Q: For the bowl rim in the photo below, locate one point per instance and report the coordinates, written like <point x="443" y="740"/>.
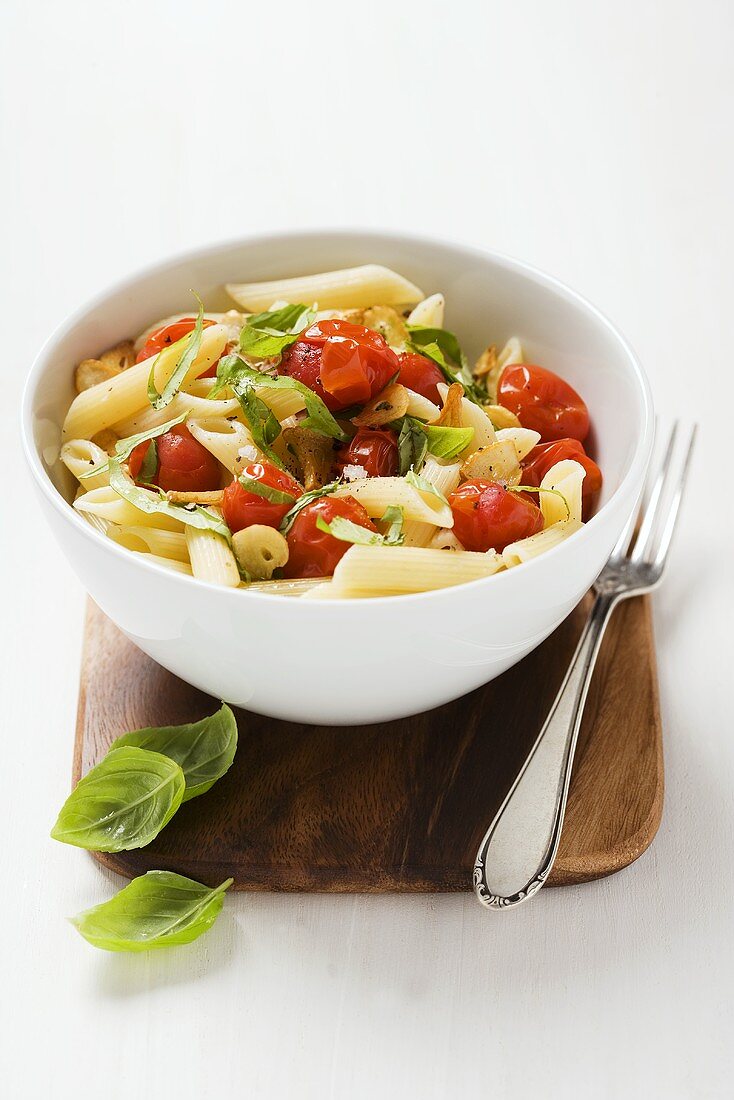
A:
<point x="633" y="477"/>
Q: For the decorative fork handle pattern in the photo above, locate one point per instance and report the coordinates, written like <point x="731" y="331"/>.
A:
<point x="518" y="850"/>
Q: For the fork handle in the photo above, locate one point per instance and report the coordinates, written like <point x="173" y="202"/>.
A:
<point x="519" y="848"/>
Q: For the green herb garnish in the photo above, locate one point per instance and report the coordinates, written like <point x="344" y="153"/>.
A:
<point x="424" y="486"/>
<point x="267" y="492"/>
<point x="394" y="516"/>
<point x="146" y="501"/>
<point x="267" y="335"/>
<point x="412" y="445"/>
<point x="203" y="750"/>
<point x="122" y="803"/>
<point x="125" y="447"/>
<point x="318" y="418"/>
<point x="158" y="909"/>
<point x="263" y="423"/>
<point x="347" y="531"/>
<point x="444" y="349"/>
<point x="303" y="501"/>
<point x="538" y="489"/>
<point x="189" y="345"/>
<point x="447" y="443"/>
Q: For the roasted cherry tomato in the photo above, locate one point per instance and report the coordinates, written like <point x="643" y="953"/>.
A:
<point x="375" y="450"/>
<point x="543" y="402"/>
<point x="242" y="508"/>
<point x="539" y="461"/>
<point x="169" y="334"/>
<point x="184" y="465"/>
<point x="488" y="516"/>
<point x="355" y="362"/>
<point x="302" y="361"/>
<point x="315" y="553"/>
<point x="421" y="375"/>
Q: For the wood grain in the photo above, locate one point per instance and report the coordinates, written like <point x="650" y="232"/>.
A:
<point x="400" y="806"/>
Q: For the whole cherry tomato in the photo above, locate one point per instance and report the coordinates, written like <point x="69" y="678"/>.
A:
<point x="355" y="362"/>
<point x="169" y="334"/>
<point x="543" y="402"/>
<point x="315" y="553"/>
<point x="242" y="508"/>
<point x="421" y="375"/>
<point x="375" y="450"/>
<point x="183" y="464"/>
<point x="538" y="462"/>
<point x="302" y="361"/>
<point x="488" y="516"/>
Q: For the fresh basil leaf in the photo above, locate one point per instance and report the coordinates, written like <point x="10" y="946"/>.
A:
<point x="346" y="531"/>
<point x="267" y="492"/>
<point x="195" y="516"/>
<point x="122" y="803"/>
<point x="447" y="442"/>
<point x="444" y="349"/>
<point x="262" y="421"/>
<point x="125" y="447"/>
<point x="158" y="909"/>
<point x="412" y="445"/>
<point x="318" y="418"/>
<point x="267" y="335"/>
<point x="307" y="498"/>
<point x="423" y="485"/>
<point x="190" y="345"/>
<point x="537" y="489"/>
<point x="203" y="750"/>
<point x="149" y="465"/>
<point x="394" y="516"/>
<point x="226" y="372"/>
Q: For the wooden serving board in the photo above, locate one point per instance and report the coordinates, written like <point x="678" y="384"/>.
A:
<point x="399" y="806"/>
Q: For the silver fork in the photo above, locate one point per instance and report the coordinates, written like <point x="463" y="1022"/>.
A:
<point x="518" y="849"/>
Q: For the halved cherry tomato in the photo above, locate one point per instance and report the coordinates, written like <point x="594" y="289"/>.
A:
<point x="538" y="462"/>
<point x="420" y="375"/>
<point x="487" y="516"/>
<point x="183" y="464"/>
<point x="543" y="402"/>
<point x="375" y="450"/>
<point x="242" y="508"/>
<point x="355" y="362"/>
<point x="315" y="553"/>
<point x="168" y="334"/>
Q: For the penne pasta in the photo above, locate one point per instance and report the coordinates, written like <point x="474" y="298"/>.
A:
<point x="107" y="505"/>
<point x="377" y="494"/>
<point x="228" y="440"/>
<point x="145" y="419"/>
<point x="80" y="456"/>
<point x="429" y="312"/>
<point x="394" y="571"/>
<point x="211" y="558"/>
<point x="232" y="320"/>
<point x="566" y="478"/>
<point x="525" y="549"/>
<point x="523" y="438"/>
<point x="151" y="540"/>
<point x="420" y="407"/>
<point x="444" y="477"/>
<point x="109" y="402"/>
<point x="300" y="587"/>
<point x="352" y="288"/>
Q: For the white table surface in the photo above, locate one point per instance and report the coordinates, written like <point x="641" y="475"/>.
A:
<point x="593" y="140"/>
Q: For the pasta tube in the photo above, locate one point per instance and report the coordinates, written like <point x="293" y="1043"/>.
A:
<point x="445" y="478"/>
<point x="211" y="558"/>
<point x="376" y="494"/>
<point x="351" y="288"/>
<point x="109" y="402"/>
<point x="108" y="505"/>
<point x="472" y="416"/>
<point x="525" y="549"/>
<point x="395" y="571"/>
<point x="226" y="439"/>
<point x="429" y="312"/>
<point x="80" y="456"/>
<point x="566" y="478"/>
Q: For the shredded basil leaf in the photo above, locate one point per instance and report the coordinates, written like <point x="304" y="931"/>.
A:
<point x="149" y="465"/>
<point x="442" y="346"/>
<point x="412" y="445"/>
<point x="346" y="531"/>
<point x="318" y="418"/>
<point x="423" y="485"/>
<point x="447" y="442"/>
<point x="157" y="909"/>
<point x="538" y="489"/>
<point x="267" y="335"/>
<point x="203" y="750"/>
<point x="197" y="516"/>
<point x="262" y="421"/>
<point x="190" y="345"/>
<point x="307" y="498"/>
<point x="125" y="447"/>
<point x="394" y="516"/>
<point x="260" y="489"/>
<point x="122" y="803"/>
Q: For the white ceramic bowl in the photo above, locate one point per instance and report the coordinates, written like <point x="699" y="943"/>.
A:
<point x="358" y="661"/>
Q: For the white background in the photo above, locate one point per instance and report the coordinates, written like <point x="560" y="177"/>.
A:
<point x="591" y="139"/>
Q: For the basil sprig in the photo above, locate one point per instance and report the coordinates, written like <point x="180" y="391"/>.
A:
<point x="306" y="499"/>
<point x="442" y="346"/>
<point x="417" y="439"/>
<point x="267" y="492"/>
<point x="347" y="531"/>
<point x="158" y="909"/>
<point x="143" y="499"/>
<point x="318" y="418"/>
<point x="203" y="750"/>
<point x="125" y="447"/>
<point x="122" y="803"/>
<point x="189" y="346"/>
<point x="448" y="443"/>
<point x="263" y="423"/>
<point x="267" y="335"/>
